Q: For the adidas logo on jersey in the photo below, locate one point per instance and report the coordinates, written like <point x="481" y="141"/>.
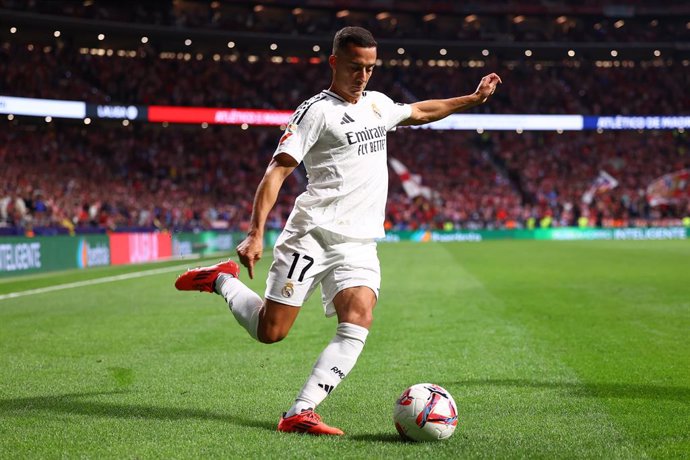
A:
<point x="346" y="119"/>
<point x="326" y="388"/>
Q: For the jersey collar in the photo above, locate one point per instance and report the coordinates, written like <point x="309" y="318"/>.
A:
<point x="335" y="96"/>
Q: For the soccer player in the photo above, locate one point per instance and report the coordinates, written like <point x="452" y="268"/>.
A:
<point x="330" y="236"/>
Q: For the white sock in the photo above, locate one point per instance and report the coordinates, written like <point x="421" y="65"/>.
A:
<point x="244" y="303"/>
<point x="333" y="365"/>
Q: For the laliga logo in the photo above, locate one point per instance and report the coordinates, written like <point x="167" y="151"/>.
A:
<point x="117" y="111"/>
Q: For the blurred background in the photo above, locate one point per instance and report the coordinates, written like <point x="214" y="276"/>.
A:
<point x="116" y="166"/>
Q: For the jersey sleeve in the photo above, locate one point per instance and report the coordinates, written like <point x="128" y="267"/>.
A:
<point x="302" y="132"/>
<point x="395" y="112"/>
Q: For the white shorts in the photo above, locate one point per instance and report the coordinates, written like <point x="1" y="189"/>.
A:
<point x="301" y="261"/>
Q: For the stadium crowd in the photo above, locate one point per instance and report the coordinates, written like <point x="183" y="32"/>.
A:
<point x="572" y="86"/>
<point x="64" y="177"/>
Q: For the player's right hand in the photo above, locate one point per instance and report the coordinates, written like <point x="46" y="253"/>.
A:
<point x="487" y="86"/>
<point x="250" y="251"/>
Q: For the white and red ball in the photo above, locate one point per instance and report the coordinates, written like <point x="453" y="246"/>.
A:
<point x="425" y="412"/>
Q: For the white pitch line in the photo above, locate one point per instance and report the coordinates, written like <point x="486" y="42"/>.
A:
<point x="107" y="279"/>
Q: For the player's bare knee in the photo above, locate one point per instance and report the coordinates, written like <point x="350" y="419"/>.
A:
<point x="271" y="335"/>
<point x="362" y="318"/>
<point x="365" y="319"/>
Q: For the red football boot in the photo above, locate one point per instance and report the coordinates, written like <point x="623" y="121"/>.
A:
<point x="203" y="278"/>
<point x="308" y="422"/>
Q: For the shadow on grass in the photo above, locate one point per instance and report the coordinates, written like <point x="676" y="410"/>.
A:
<point x="78" y="403"/>
<point x="591" y="390"/>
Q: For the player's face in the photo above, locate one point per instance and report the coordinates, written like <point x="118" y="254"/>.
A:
<point x="352" y="68"/>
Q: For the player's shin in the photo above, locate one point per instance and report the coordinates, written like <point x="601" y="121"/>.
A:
<point x="333" y="365"/>
<point x="244" y="303"/>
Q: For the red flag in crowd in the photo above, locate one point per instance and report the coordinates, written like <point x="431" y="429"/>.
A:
<point x="602" y="183"/>
<point x="412" y="183"/>
<point x="669" y="188"/>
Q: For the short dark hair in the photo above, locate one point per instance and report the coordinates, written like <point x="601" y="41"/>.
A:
<point x="358" y="36"/>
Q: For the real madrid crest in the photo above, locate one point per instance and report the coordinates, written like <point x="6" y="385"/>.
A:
<point x="288" y="289"/>
<point x="376" y="110"/>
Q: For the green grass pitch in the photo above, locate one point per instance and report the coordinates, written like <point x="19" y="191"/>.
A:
<point x="551" y="350"/>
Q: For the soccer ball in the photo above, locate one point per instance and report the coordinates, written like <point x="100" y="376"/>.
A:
<point x="425" y="412"/>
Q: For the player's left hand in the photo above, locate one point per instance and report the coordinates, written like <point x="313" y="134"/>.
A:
<point x="487" y="86"/>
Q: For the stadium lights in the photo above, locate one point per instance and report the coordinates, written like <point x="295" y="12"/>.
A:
<point x="480" y="131"/>
<point x="56" y="34"/>
<point x="231" y="44"/>
<point x="614" y="53"/>
<point x="342" y="14"/>
<point x="485" y="52"/>
<point x="10" y="117"/>
<point x="561" y="20"/>
<point x="30" y="47"/>
<point x="13" y="30"/>
<point x="528" y="53"/>
<point x="518" y="19"/>
<point x="244" y="126"/>
<point x="442" y="52"/>
<point x="87" y="121"/>
<point x="618" y="24"/>
<point x="428" y="17"/>
<point x="215" y="4"/>
<point x="144" y="40"/>
<point x="316" y="48"/>
<point x="401" y="50"/>
<point x="125" y="122"/>
<point x="571" y="53"/>
<point x="204" y="125"/>
<point x="188" y="42"/>
<point x="49" y="119"/>
<point x="657" y="53"/>
<point x="383" y="15"/>
<point x="297" y="11"/>
<point x="471" y="18"/>
<point x="654" y="23"/>
<point x="101" y="37"/>
<point x="273" y="46"/>
<point x="258" y="8"/>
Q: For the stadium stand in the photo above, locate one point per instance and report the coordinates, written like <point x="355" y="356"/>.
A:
<point x="575" y="86"/>
<point x="64" y="176"/>
<point x="502" y="20"/>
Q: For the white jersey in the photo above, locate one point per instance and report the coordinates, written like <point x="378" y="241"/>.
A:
<point x="343" y="147"/>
